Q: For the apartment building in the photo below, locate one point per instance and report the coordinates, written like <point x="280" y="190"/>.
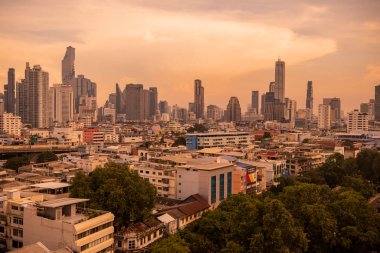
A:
<point x="218" y="139"/>
<point x="357" y="121"/>
<point x="12" y="224"/>
<point x="10" y="124"/>
<point x="164" y="178"/>
<point x="62" y="223"/>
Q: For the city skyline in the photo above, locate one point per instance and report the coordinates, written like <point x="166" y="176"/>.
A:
<point x="350" y="60"/>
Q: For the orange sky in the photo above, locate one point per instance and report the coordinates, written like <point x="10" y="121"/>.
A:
<point x="230" y="45"/>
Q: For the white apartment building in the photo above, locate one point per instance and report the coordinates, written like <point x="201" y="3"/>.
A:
<point x="12" y="218"/>
<point x="211" y="178"/>
<point x="62" y="223"/>
<point x="357" y="121"/>
<point x="218" y="139"/>
<point x="324" y="117"/>
<point x="90" y="163"/>
<point x="68" y="136"/>
<point x="164" y="178"/>
<point x="10" y="124"/>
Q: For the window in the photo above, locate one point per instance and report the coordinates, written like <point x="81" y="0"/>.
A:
<point x="146" y="172"/>
<point x="2" y="229"/>
<point x="14" y="208"/>
<point x="213" y="189"/>
<point x="16" y="244"/>
<point x="229" y="183"/>
<point x="131" y="244"/>
<point x="221" y="186"/>
<point x="93" y="230"/>
<point x="17" y="220"/>
<point x="119" y="243"/>
<point x="18" y="232"/>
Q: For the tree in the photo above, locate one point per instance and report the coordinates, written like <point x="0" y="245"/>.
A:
<point x="267" y="135"/>
<point x="180" y="141"/>
<point x="117" y="189"/>
<point x="16" y="162"/>
<point x="46" y="156"/>
<point x="200" y="128"/>
<point x="171" y="244"/>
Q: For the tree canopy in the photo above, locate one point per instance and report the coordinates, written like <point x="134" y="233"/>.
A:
<point x="117" y="189"/>
<point x="16" y="162"/>
<point x="304" y="214"/>
<point x="200" y="128"/>
<point x="46" y="156"/>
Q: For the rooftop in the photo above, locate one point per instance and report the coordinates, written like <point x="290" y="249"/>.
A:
<point x="61" y="202"/>
<point x="51" y="185"/>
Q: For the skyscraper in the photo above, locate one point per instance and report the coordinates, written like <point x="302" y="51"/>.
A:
<point x="68" y="70"/>
<point x="164" y="107"/>
<point x="9" y="92"/>
<point x="272" y="86"/>
<point x="377" y="102"/>
<point x="199" y="99"/>
<point x="120" y="102"/>
<point x="324" y="117"/>
<point x="33" y="97"/>
<point x="82" y="87"/>
<point x="146" y="108"/>
<point x="214" y="112"/>
<point x="279" y="89"/>
<point x="61" y="103"/>
<point x="309" y="97"/>
<point x="255" y="101"/>
<point x="273" y="108"/>
<point x="233" y="112"/>
<point x="134" y="101"/>
<point x="335" y="109"/>
<point x="153" y="101"/>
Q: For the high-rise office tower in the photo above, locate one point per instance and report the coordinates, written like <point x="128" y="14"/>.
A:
<point x="120" y="101"/>
<point x="279" y="89"/>
<point x="199" y="99"/>
<point x="134" y="100"/>
<point x="33" y="97"/>
<point x="291" y="110"/>
<point x="273" y="108"/>
<point x="153" y="101"/>
<point x="309" y="97"/>
<point x="9" y="92"/>
<point x="82" y="87"/>
<point x="68" y="70"/>
<point x="272" y="86"/>
<point x="61" y="103"/>
<point x="255" y="101"/>
<point x="377" y="102"/>
<point x="324" y="117"/>
<point x="164" y="107"/>
<point x="146" y="108"/>
<point x="262" y="109"/>
<point x="214" y="112"/>
<point x="335" y="109"/>
<point x="233" y="112"/>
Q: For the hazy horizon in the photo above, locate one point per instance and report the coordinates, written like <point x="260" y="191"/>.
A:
<point x="231" y="46"/>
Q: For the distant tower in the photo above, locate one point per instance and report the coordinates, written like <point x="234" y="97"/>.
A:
<point x="377" y="103"/>
<point x="309" y="97"/>
<point x="9" y="92"/>
<point x="279" y="91"/>
<point x="199" y="102"/>
<point x="233" y="112"/>
<point x="61" y="103"/>
<point x="324" y="117"/>
<point x="134" y="99"/>
<point x="33" y="97"/>
<point x="68" y="70"/>
<point x="255" y="101"/>
<point x="153" y="101"/>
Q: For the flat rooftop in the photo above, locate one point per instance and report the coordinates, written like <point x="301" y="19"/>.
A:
<point x="209" y="134"/>
<point x="51" y="185"/>
<point x="61" y="202"/>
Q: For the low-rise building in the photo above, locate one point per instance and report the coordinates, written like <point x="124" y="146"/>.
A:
<point x="218" y="139"/>
<point x="61" y="222"/>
